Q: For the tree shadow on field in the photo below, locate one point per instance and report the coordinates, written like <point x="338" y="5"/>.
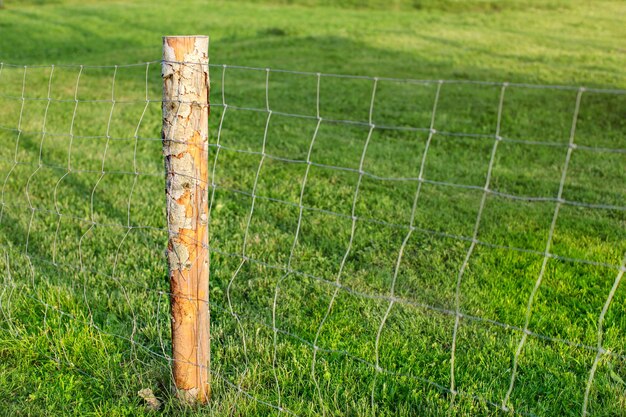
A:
<point x="102" y="36"/>
<point x="42" y="234"/>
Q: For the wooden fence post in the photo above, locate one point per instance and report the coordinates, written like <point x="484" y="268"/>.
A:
<point x="185" y="74"/>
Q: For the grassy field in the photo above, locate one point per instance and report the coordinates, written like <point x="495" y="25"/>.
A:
<point x="83" y="297"/>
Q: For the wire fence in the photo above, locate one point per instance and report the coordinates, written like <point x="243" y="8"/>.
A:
<point x="377" y="245"/>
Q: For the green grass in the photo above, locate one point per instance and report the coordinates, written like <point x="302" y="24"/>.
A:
<point x="85" y="321"/>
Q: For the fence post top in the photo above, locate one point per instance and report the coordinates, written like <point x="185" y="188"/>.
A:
<point x="184" y="50"/>
<point x="185" y="36"/>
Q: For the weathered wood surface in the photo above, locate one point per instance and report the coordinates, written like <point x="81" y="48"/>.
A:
<point x="185" y="146"/>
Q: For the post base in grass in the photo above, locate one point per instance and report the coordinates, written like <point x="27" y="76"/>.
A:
<point x="192" y="396"/>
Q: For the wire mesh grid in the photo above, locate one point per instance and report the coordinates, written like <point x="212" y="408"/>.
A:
<point x="377" y="245"/>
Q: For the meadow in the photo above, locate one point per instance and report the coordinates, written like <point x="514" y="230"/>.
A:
<point x="427" y="168"/>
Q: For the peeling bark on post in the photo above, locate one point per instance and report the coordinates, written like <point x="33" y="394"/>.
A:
<point x="185" y="73"/>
